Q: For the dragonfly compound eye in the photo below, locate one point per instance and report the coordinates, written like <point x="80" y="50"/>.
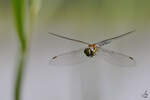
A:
<point x="88" y="52"/>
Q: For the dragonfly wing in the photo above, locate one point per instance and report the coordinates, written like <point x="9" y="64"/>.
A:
<point x="107" y="41"/>
<point x="69" y="58"/>
<point x="116" y="58"/>
<point x="75" y="40"/>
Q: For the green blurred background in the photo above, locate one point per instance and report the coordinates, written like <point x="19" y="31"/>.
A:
<point x="107" y="14"/>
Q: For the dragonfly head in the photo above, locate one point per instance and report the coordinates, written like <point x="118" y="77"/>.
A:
<point x="89" y="52"/>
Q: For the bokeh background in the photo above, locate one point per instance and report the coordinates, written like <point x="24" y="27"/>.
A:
<point x="87" y="20"/>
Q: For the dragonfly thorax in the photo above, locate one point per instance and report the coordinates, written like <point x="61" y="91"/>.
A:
<point x="89" y="52"/>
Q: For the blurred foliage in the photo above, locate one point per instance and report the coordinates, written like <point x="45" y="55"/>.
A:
<point x="108" y="10"/>
<point x="19" y="13"/>
<point x="20" y="8"/>
<point x="100" y="9"/>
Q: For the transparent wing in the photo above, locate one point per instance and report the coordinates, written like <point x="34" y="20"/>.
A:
<point x="107" y="41"/>
<point x="69" y="58"/>
<point x="75" y="40"/>
<point x="116" y="58"/>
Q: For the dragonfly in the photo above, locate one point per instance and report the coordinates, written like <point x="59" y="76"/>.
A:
<point x="92" y="51"/>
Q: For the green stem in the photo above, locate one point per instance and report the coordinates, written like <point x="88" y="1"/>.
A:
<point x="20" y="73"/>
<point x="19" y="15"/>
<point x="19" y="7"/>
